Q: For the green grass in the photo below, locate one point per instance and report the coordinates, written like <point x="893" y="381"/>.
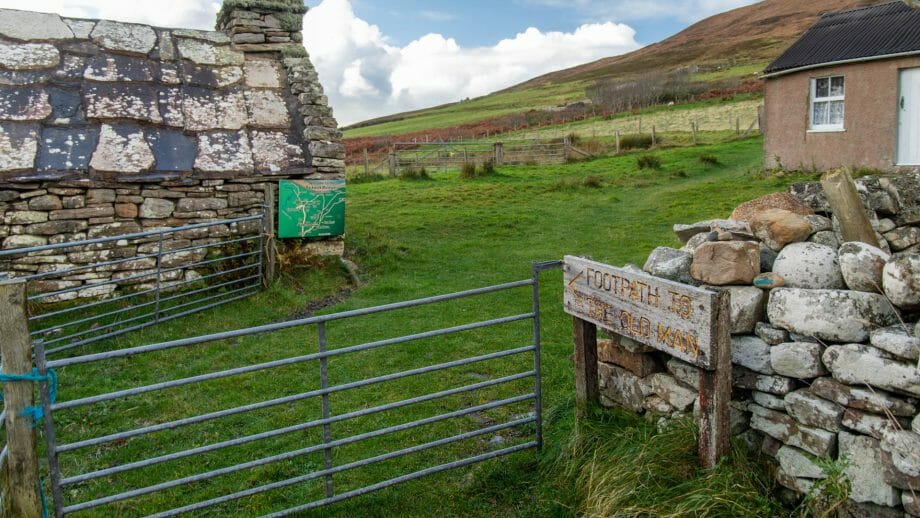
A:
<point x="474" y="110"/>
<point x="415" y="239"/>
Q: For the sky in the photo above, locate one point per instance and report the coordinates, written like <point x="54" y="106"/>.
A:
<point x="378" y="57"/>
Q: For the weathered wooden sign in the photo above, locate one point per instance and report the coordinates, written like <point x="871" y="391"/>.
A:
<point x="689" y="323"/>
<point x="669" y="316"/>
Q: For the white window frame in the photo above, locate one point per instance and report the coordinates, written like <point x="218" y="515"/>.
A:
<point x="814" y="100"/>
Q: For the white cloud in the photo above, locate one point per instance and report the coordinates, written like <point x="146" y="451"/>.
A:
<point x="631" y="10"/>
<point x="192" y="14"/>
<point x="366" y="76"/>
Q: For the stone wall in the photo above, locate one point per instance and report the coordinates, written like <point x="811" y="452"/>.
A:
<point x="825" y="341"/>
<point x="109" y="128"/>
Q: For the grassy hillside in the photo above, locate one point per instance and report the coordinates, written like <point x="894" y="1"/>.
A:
<point x="735" y="45"/>
<point x="422" y="238"/>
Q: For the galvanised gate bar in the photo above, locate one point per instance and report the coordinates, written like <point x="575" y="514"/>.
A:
<point x="326" y="422"/>
<point x="176" y="272"/>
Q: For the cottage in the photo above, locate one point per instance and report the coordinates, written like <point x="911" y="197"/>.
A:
<point x="847" y="93"/>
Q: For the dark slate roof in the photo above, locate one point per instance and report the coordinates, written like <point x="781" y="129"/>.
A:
<point x="876" y="31"/>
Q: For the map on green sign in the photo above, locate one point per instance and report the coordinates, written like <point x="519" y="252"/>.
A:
<point x="311" y="208"/>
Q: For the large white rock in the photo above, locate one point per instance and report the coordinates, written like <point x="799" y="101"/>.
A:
<point x="857" y="364"/>
<point x="28" y="25"/>
<point x="811" y="410"/>
<point x="747" y="308"/>
<point x="669" y="389"/>
<point x="671" y="264"/>
<point x="862" y="266"/>
<point x="797" y="463"/>
<point x="122" y="150"/>
<point x="874" y="400"/>
<point x="897" y="341"/>
<point x="124" y="37"/>
<point x="873" y="425"/>
<point x="29" y="56"/>
<point x="866" y="472"/>
<point x="18" y="147"/>
<point x="751" y="352"/>
<point x="798" y="360"/>
<point x="620" y="388"/>
<point x="205" y="53"/>
<point x="786" y="430"/>
<point x="809" y="265"/>
<point x="833" y="315"/>
<point x="901" y="281"/>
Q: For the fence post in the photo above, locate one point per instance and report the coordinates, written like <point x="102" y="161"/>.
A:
<point x="737" y="126"/>
<point x="586" y="386"/>
<point x="694" y="128"/>
<point x="716" y="392"/>
<point x="392" y="162"/>
<point x="618" y="141"/>
<point x="654" y="136"/>
<point x="16" y="348"/>
<point x="567" y="145"/>
<point x="268" y="234"/>
<point x="498" y="152"/>
<point x="760" y="119"/>
<point x="366" y="163"/>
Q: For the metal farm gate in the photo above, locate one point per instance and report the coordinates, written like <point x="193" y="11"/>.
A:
<point x="306" y="436"/>
<point x="81" y="292"/>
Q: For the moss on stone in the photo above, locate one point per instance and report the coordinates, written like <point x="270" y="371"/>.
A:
<point x="291" y="8"/>
<point x="294" y="51"/>
<point x="290" y="21"/>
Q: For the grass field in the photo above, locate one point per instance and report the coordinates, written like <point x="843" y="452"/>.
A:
<point x="415" y="239"/>
<point x="711" y="116"/>
<point x="481" y="108"/>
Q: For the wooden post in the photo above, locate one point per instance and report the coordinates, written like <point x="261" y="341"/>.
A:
<point x="737" y="126"/>
<point x="498" y="150"/>
<point x="366" y="163"/>
<point x="16" y="348"/>
<point x="760" y="119"/>
<point x="392" y="163"/>
<point x="716" y="391"/>
<point x="587" y="391"/>
<point x="693" y="129"/>
<point x="845" y="203"/>
<point x="654" y="136"/>
<point x="618" y="141"/>
<point x="567" y="145"/>
<point x="268" y="237"/>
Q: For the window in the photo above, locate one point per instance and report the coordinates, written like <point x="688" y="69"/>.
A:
<point x="827" y="103"/>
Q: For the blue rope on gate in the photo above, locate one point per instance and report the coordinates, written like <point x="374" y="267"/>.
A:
<point x="35" y="412"/>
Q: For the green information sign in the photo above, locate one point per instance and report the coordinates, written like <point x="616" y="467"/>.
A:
<point x="311" y="208"/>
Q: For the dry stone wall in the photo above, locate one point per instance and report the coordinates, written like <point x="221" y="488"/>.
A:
<point x="825" y="343"/>
<point x="109" y="128"/>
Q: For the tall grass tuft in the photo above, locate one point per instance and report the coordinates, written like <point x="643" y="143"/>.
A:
<point x="635" y="141"/>
<point x="623" y="465"/>
<point x="412" y="174"/>
<point x="648" y="162"/>
<point x="469" y="170"/>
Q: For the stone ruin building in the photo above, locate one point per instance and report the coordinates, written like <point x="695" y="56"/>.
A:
<point x="111" y="128"/>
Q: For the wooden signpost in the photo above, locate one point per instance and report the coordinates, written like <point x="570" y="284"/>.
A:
<point x="689" y="323"/>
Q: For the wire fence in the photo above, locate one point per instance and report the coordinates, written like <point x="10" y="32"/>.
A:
<point x="453" y="155"/>
<point x="81" y="292"/>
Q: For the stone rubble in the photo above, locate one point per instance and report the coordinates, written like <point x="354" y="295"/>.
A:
<point x="825" y="359"/>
